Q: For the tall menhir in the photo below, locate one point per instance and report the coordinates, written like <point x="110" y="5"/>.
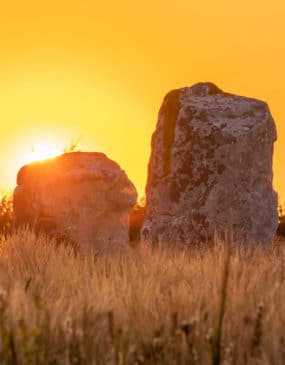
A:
<point x="210" y="165"/>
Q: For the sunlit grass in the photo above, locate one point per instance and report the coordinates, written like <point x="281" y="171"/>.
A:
<point x="139" y="306"/>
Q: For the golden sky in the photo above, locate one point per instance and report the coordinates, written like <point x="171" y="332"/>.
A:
<point x="99" y="70"/>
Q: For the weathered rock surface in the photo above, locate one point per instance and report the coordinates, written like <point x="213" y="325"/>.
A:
<point x="82" y="195"/>
<point x="210" y="165"/>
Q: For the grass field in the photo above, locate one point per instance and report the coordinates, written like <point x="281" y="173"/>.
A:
<point x="140" y="305"/>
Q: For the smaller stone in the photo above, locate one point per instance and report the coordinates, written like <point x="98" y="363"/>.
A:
<point x="84" y="196"/>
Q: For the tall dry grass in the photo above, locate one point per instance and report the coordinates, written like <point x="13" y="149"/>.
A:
<point x="139" y="306"/>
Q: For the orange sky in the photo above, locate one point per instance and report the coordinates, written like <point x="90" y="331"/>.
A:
<point x="99" y="70"/>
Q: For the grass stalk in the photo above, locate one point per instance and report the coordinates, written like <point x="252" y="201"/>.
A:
<point x="218" y="334"/>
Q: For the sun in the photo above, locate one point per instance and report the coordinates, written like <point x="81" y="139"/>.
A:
<point x="42" y="151"/>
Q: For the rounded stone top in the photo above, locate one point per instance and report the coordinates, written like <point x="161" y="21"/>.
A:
<point x="205" y="101"/>
<point x="70" y="166"/>
<point x="205" y="88"/>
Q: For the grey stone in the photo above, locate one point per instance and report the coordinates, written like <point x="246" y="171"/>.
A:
<point x="210" y="166"/>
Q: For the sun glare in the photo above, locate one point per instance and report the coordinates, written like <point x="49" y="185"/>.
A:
<point x="42" y="151"/>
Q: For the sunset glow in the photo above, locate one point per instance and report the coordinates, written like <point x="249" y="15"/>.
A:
<point x="142" y="182"/>
<point x="99" y="71"/>
<point x="42" y="151"/>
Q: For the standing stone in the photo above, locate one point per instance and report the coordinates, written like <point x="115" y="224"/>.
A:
<point x="211" y="165"/>
<point x="81" y="195"/>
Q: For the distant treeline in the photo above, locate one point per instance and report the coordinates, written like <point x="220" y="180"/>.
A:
<point x="6" y="214"/>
